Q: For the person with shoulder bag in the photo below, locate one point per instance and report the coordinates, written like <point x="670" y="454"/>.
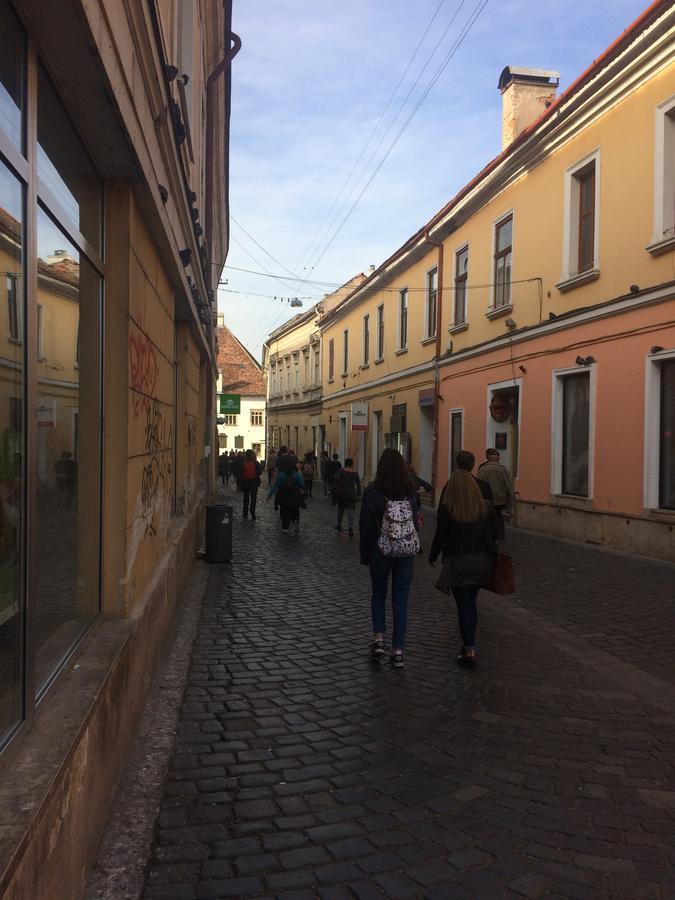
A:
<point x="466" y="535"/>
<point x="251" y="471"/>
<point x="388" y="544"/>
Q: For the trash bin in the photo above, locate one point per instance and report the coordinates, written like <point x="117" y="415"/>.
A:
<point x="219" y="533"/>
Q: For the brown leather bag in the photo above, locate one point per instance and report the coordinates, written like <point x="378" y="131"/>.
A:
<point x="501" y="578"/>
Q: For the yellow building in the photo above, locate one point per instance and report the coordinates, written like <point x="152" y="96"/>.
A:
<point x="293" y="367"/>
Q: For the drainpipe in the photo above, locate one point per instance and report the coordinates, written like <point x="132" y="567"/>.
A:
<point x="234" y="41"/>
<point x="437" y="375"/>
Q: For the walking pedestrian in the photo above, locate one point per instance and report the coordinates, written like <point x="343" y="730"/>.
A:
<point x="388" y="543"/>
<point x="501" y="483"/>
<point x="271" y="465"/>
<point x="346" y="488"/>
<point x="288" y="489"/>
<point x="236" y="467"/>
<point x="333" y="466"/>
<point x="323" y="464"/>
<point x="466" y="460"/>
<point x="251" y="471"/>
<point x="466" y="535"/>
<point x="309" y="471"/>
<point x="222" y="467"/>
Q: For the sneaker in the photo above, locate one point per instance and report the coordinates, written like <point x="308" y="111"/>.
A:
<point x="351" y="532"/>
<point x="396" y="659"/>
<point x="377" y="649"/>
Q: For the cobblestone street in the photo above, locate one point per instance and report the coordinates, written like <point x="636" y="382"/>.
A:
<point x="301" y="770"/>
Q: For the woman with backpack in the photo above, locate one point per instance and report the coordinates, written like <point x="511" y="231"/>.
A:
<point x="466" y="534"/>
<point x="251" y="471"/>
<point x="309" y="471"/>
<point x="289" y="489"/>
<point x="346" y="488"/>
<point x="388" y="544"/>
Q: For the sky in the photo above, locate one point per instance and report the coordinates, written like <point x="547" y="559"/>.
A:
<point x="316" y="80"/>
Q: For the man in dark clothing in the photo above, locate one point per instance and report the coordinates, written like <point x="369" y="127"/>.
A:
<point x="333" y="466"/>
<point x="323" y="463"/>
<point x="346" y="488"/>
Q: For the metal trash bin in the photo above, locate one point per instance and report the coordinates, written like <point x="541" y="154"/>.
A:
<point x="219" y="533"/>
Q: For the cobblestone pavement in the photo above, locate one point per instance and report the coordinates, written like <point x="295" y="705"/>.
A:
<point x="301" y="770"/>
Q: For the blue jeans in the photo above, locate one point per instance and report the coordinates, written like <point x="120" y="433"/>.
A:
<point x="465" y="597"/>
<point x="401" y="577"/>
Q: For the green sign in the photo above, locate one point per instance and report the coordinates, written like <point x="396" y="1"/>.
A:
<point x="230" y="403"/>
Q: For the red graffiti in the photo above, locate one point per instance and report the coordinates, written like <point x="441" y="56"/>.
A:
<point x="143" y="369"/>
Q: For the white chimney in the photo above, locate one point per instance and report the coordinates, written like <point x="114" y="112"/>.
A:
<point x="526" y="94"/>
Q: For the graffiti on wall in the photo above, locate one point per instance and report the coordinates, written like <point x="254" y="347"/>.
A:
<point x="158" y="433"/>
<point x="144" y="371"/>
<point x="192" y="429"/>
<point x="155" y="483"/>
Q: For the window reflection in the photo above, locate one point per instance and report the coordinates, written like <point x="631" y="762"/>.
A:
<point x="64" y="166"/>
<point x="11" y="452"/>
<point x="68" y="447"/>
<point x="12" y="60"/>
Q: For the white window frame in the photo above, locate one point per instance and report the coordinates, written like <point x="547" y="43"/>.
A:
<point x="459" y="410"/>
<point x="316" y="377"/>
<point x="232" y="416"/>
<point x="428" y="334"/>
<point x="652" y="424"/>
<point x="663" y="238"/>
<point x="257" y="412"/>
<point x="557" y="378"/>
<point x="365" y="349"/>
<point x="571" y="276"/>
<point x="507" y="307"/>
<point x="400" y="346"/>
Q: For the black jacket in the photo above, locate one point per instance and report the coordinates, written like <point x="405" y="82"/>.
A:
<point x="453" y="537"/>
<point x="370" y="520"/>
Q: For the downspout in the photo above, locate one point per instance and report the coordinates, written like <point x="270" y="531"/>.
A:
<point x="437" y="358"/>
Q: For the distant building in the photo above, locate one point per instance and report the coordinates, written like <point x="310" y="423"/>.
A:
<point x="240" y="409"/>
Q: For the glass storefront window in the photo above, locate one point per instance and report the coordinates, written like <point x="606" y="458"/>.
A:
<point x="64" y="167"/>
<point x="576" y="429"/>
<point x="68" y="447"/>
<point x="12" y="293"/>
<point x="12" y="79"/>
<point x="667" y="441"/>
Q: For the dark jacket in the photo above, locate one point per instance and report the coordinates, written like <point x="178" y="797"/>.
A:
<point x="370" y="520"/>
<point x="258" y="472"/>
<point x="453" y="537"/>
<point x="333" y="466"/>
<point x="346" y="488"/>
<point x="289" y="489"/>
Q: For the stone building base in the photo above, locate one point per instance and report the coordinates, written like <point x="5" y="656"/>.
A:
<point x="653" y="537"/>
<point x="55" y="794"/>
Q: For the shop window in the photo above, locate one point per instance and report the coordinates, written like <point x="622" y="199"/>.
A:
<point x="12" y="75"/>
<point x="572" y="434"/>
<point x="403" y="319"/>
<point x="461" y="278"/>
<point x="431" y="303"/>
<point x="666" y="439"/>
<point x="659" y="462"/>
<point x="502" y="263"/>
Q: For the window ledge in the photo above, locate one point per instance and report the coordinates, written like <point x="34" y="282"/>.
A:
<point x="656" y="248"/>
<point x="575" y="281"/>
<point x="575" y="501"/>
<point x="494" y="312"/>
<point x="14" y="340"/>
<point x="364" y="366"/>
<point x="401" y="351"/>
<point x="379" y="360"/>
<point x="431" y="339"/>
<point x="331" y="380"/>
<point x="461" y="326"/>
<point x="344" y="374"/>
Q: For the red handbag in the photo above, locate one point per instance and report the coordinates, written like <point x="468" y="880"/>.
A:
<point x="501" y="578"/>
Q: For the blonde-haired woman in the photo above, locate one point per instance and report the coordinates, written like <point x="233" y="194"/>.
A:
<point x="466" y="535"/>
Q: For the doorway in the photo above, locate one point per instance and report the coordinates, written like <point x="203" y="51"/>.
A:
<point x="504" y="402"/>
<point x="426" y="442"/>
<point x="342" y="437"/>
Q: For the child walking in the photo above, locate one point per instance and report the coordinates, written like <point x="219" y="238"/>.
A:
<point x="346" y="488"/>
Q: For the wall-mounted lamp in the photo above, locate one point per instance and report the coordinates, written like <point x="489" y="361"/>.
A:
<point x="656" y="349"/>
<point x="510" y="324"/>
<point x="584" y="360"/>
<point x="634" y="288"/>
<point x="522" y="369"/>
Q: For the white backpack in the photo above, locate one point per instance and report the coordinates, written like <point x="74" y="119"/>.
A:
<point x="398" y="535"/>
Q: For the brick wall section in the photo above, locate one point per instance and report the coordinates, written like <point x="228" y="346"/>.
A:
<point x="241" y="373"/>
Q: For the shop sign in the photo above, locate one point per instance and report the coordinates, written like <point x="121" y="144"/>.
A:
<point x="500" y="407"/>
<point x="230" y="403"/>
<point x="359" y="417"/>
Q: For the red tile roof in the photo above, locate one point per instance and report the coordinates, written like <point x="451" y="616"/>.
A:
<point x="241" y="372"/>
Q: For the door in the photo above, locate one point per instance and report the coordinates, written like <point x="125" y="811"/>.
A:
<point x="342" y="438"/>
<point x="426" y="442"/>
<point x="503" y="423"/>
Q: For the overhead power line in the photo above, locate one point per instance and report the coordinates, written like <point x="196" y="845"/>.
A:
<point x="283" y="279"/>
<point x="478" y="9"/>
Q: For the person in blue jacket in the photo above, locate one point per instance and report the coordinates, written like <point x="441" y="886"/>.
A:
<point x="290" y="494"/>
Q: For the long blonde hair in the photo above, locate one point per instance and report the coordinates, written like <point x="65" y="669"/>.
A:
<point x="463" y="498"/>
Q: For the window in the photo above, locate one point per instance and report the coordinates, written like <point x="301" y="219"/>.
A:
<point x="586" y="191"/>
<point x="297" y="376"/>
<point x="366" y="340"/>
<point x="502" y="263"/>
<point x="456" y="436"/>
<point x="581" y="223"/>
<point x="239" y="442"/>
<point x="288" y="378"/>
<point x="331" y="359"/>
<point x="572" y="438"/>
<point x="40" y="346"/>
<point x="380" y="331"/>
<point x="659" y="459"/>
<point x="317" y="364"/>
<point x="403" y="319"/>
<point x="256" y="417"/>
<point x="13" y="308"/>
<point x="432" y="294"/>
<point x="663" y="238"/>
<point x="345" y="352"/>
<point x="305" y="367"/>
<point x="461" y="277"/>
<point x="666" y="439"/>
<point x="230" y="419"/>
<point x="12" y="76"/>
